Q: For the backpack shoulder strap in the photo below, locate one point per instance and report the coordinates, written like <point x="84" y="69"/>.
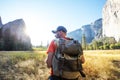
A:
<point x="58" y="49"/>
<point x="56" y="41"/>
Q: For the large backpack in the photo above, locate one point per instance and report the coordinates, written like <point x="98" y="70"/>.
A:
<point x="66" y="61"/>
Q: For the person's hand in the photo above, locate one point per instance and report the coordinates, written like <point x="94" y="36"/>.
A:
<point x="48" y="63"/>
<point x="82" y="59"/>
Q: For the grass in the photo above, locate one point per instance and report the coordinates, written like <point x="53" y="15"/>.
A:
<point x="102" y="64"/>
<point x="23" y="54"/>
<point x="30" y="65"/>
<point x="22" y="65"/>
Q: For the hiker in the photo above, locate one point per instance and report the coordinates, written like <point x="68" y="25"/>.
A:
<point x="56" y="72"/>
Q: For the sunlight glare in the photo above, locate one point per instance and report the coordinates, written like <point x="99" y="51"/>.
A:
<point x="37" y="31"/>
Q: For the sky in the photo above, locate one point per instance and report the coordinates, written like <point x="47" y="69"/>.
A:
<point x="43" y="16"/>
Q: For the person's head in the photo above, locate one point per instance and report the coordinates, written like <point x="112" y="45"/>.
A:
<point x="60" y="32"/>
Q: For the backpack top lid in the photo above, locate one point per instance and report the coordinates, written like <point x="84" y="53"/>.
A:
<point x="70" y="47"/>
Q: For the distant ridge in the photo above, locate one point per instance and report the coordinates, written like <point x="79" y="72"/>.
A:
<point x="91" y="31"/>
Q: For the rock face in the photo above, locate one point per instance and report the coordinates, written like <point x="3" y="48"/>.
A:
<point x="0" y="23"/>
<point x="111" y="19"/>
<point x="14" y="36"/>
<point x="91" y="31"/>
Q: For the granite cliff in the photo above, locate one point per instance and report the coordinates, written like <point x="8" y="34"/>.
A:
<point x="111" y="19"/>
<point x="13" y="36"/>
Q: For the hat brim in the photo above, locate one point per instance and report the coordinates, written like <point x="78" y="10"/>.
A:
<point x="53" y="31"/>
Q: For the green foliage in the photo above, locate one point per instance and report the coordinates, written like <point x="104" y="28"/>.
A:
<point x="104" y="43"/>
<point x="90" y="47"/>
<point x="106" y="46"/>
<point x="39" y="48"/>
<point x="119" y="40"/>
<point x="115" y="46"/>
<point x="108" y="40"/>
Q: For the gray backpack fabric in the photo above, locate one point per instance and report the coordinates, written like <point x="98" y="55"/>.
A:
<point x="66" y="60"/>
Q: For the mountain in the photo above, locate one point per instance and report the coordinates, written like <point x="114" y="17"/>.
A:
<point x="111" y="19"/>
<point x="91" y="31"/>
<point x="13" y="36"/>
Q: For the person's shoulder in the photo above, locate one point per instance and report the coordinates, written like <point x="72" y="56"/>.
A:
<point x="56" y="41"/>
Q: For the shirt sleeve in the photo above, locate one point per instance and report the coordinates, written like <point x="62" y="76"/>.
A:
<point x="51" y="47"/>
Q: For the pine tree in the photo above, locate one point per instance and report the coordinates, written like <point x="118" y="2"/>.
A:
<point x="84" y="44"/>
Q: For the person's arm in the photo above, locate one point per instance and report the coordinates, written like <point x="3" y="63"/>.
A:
<point x="49" y="60"/>
<point x="50" y="52"/>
